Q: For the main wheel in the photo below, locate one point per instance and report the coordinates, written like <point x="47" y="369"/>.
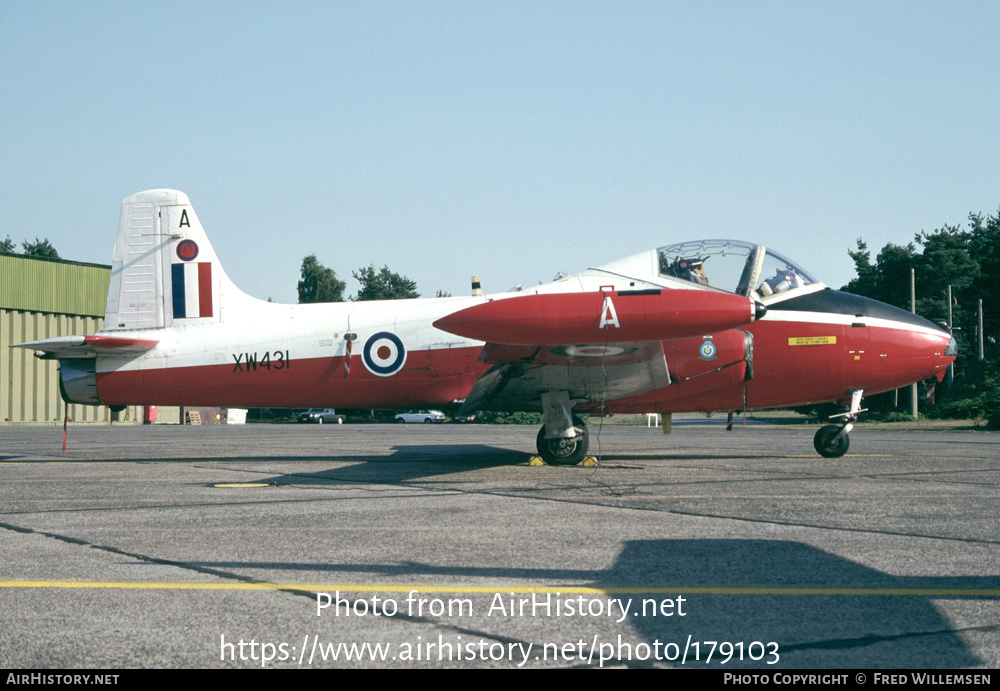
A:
<point x="319" y="420"/>
<point x="562" y="451"/>
<point x="828" y="445"/>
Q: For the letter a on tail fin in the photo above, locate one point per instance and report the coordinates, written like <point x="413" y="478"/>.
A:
<point x="165" y="271"/>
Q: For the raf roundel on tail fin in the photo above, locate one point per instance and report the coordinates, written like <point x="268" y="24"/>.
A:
<point x="164" y="271"/>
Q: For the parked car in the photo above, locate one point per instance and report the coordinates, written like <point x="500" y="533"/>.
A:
<point x="474" y="417"/>
<point x="426" y="416"/>
<point x="321" y="415"/>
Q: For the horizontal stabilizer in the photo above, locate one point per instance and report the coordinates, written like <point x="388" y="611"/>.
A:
<point x="66" y="347"/>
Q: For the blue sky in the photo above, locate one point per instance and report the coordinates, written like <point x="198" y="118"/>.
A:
<point x="509" y="139"/>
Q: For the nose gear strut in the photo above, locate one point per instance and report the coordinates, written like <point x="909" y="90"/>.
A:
<point x="831" y="441"/>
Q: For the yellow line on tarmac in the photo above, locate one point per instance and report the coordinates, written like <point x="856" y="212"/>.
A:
<point x="514" y="589"/>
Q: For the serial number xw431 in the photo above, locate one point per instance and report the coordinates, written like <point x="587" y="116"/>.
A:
<point x="271" y="359"/>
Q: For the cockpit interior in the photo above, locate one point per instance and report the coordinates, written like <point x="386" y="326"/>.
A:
<point x="733" y="266"/>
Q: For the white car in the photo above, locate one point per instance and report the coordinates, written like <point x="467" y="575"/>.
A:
<point x="426" y="416"/>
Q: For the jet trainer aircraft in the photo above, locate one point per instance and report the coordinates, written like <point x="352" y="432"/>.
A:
<point x="715" y="325"/>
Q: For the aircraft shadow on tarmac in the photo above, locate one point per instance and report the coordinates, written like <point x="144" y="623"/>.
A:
<point x="889" y="625"/>
<point x="407" y="463"/>
<point x="414" y="460"/>
<point x="422" y="461"/>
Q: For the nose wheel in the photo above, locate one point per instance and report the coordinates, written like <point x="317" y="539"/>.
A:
<point x="831" y="441"/>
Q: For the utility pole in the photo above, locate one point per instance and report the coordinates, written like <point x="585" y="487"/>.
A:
<point x="913" y="310"/>
<point x="980" y="329"/>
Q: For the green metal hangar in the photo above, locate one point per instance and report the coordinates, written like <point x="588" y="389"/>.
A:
<point x="43" y="298"/>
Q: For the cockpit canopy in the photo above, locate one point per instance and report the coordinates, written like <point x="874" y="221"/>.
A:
<point x="733" y="266"/>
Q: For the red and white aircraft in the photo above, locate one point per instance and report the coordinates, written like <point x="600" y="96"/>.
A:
<point x="713" y="325"/>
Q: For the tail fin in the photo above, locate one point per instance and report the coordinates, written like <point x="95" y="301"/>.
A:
<point x="164" y="270"/>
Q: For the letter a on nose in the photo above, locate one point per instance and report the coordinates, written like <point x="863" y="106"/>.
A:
<point x="608" y="315"/>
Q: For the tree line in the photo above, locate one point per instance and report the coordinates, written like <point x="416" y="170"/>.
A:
<point x="967" y="258"/>
<point x="38" y="248"/>
<point x="320" y="284"/>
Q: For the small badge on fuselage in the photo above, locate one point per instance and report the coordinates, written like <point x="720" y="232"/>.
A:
<point x="707" y="350"/>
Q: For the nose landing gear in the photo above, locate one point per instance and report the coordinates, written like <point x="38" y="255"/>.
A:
<point x="831" y="441"/>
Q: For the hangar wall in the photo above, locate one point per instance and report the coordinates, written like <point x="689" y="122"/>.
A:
<point x="43" y="298"/>
<point x="29" y="387"/>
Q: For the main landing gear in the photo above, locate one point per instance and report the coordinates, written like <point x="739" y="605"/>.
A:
<point x="831" y="441"/>
<point x="564" y="450"/>
<point x="563" y="439"/>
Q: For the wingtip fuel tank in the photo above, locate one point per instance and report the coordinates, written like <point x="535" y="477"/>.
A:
<point x="621" y="316"/>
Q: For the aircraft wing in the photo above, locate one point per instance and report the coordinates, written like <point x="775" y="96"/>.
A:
<point x="71" y="347"/>
<point x="590" y="373"/>
<point x="597" y="346"/>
